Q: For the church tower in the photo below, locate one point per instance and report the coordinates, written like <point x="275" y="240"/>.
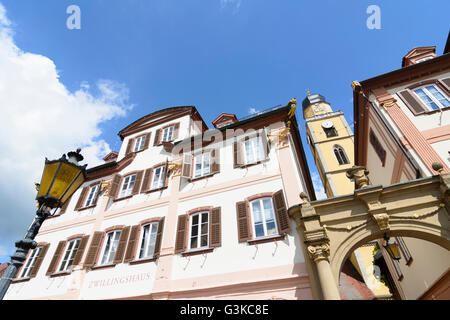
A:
<point x="331" y="142"/>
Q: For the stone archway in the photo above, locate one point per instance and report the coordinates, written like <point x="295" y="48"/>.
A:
<point x="333" y="228"/>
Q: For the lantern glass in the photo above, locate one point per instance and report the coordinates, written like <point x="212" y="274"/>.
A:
<point x="392" y="249"/>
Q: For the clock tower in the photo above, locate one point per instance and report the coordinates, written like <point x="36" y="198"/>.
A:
<point x="331" y="142"/>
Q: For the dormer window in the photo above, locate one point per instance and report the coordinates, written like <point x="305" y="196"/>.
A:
<point x="424" y="59"/>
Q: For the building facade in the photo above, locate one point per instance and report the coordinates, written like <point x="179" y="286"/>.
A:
<point x="181" y="212"/>
<point x="402" y="127"/>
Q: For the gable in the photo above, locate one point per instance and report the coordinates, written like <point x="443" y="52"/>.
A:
<point x="418" y="53"/>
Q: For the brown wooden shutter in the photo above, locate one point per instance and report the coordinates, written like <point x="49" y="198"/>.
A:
<point x="146" y="182"/>
<point x="215" y="228"/>
<point x="186" y="170"/>
<point x="180" y="242"/>
<point x="80" y="202"/>
<point x="147" y="140"/>
<point x="129" y="146"/>
<point x="65" y="205"/>
<point x="215" y="161"/>
<point x="157" y="137"/>
<point x="446" y="83"/>
<point x="39" y="260"/>
<point x="55" y="259"/>
<point x="80" y="251"/>
<point x="137" y="183"/>
<point x="243" y="221"/>
<point x="115" y="185"/>
<point x="284" y="223"/>
<point x="159" y="238"/>
<point x="132" y="241"/>
<point x="118" y="257"/>
<point x="237" y="154"/>
<point x="176" y="131"/>
<point x="412" y="102"/>
<point x="91" y="257"/>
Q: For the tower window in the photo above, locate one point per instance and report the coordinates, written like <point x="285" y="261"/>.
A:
<point x="329" y="129"/>
<point x="340" y="155"/>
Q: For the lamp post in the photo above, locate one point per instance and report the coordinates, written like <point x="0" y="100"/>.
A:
<point x="60" y="179"/>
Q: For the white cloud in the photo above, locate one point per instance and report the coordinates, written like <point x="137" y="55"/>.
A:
<point x="42" y="118"/>
<point x="235" y="4"/>
<point x="253" y="111"/>
<point x="318" y="186"/>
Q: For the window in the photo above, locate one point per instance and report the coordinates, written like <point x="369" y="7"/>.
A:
<point x="424" y="59"/>
<point x="127" y="186"/>
<point x="263" y="217"/>
<point x="167" y="134"/>
<point x="148" y="240"/>
<point x="90" y="201"/>
<point x="158" y="177"/>
<point x="139" y="144"/>
<point x="199" y="233"/>
<point x="432" y="97"/>
<point x="340" y="155"/>
<point x="69" y="255"/>
<point x="378" y="148"/>
<point x="330" y="132"/>
<point x="254" y="151"/>
<point x="202" y="165"/>
<point x="31" y="262"/>
<point x="112" y="241"/>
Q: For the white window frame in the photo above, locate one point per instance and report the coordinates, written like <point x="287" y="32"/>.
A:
<point x="431" y="96"/>
<point x="139" y="144"/>
<point x="424" y="59"/>
<point x="199" y="235"/>
<point x="148" y="240"/>
<point x="69" y="254"/>
<point x="204" y="169"/>
<point x="263" y="218"/>
<point x="168" y="134"/>
<point x="127" y="185"/>
<point x="110" y="247"/>
<point x="254" y="147"/>
<point x="158" y="178"/>
<point x="31" y="261"/>
<point x="93" y="191"/>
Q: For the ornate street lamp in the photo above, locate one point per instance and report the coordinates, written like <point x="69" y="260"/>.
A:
<point x="60" y="179"/>
<point x="392" y="248"/>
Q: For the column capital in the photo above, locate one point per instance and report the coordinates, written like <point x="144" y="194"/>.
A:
<point x="319" y="252"/>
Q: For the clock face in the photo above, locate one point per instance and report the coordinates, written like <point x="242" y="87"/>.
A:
<point x="327" y="124"/>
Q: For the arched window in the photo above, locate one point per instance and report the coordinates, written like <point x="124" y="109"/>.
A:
<point x="340" y="155"/>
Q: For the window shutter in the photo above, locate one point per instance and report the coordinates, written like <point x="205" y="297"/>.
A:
<point x="132" y="241"/>
<point x="284" y="223"/>
<point x="180" y="242"/>
<point x="55" y="259"/>
<point x="129" y="146"/>
<point x="146" y="183"/>
<point x="237" y="154"/>
<point x="137" y="183"/>
<point x="118" y="257"/>
<point x="81" y="199"/>
<point x="159" y="237"/>
<point x="243" y="221"/>
<point x="265" y="143"/>
<point x="65" y="205"/>
<point x="415" y="105"/>
<point x="39" y="260"/>
<point x="446" y="83"/>
<point x="405" y="251"/>
<point x="157" y="137"/>
<point x="80" y="251"/>
<point x="176" y="131"/>
<point x="186" y="170"/>
<point x="166" y="174"/>
<point x="147" y="140"/>
<point x="215" y="161"/>
<point x="115" y="184"/>
<point x="215" y="228"/>
<point x="91" y="257"/>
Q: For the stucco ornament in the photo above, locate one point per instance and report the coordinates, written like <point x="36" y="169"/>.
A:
<point x="382" y="220"/>
<point x="175" y="168"/>
<point x="106" y="186"/>
<point x="359" y="176"/>
<point x="319" y="252"/>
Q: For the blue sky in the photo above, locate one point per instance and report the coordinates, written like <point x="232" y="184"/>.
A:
<point x="132" y="57"/>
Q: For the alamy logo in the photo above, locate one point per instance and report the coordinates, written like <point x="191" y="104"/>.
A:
<point x="74" y="20"/>
<point x="374" y="20"/>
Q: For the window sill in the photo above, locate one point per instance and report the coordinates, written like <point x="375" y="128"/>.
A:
<point x="202" y="177"/>
<point x="266" y="239"/>
<point x="157" y="189"/>
<point x="433" y="111"/>
<point x="196" y="252"/>
<point x="144" y="260"/>
<point x="123" y="198"/>
<point x="104" y="266"/>
<point x="21" y="280"/>
<point x="60" y="274"/>
<point x="89" y="207"/>
<point x="244" y="166"/>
